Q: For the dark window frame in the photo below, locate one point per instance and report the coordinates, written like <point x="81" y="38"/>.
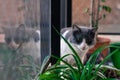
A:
<point x="58" y="16"/>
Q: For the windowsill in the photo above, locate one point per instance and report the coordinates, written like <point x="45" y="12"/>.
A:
<point x="113" y="38"/>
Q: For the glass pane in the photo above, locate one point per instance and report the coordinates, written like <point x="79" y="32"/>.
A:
<point x="23" y="42"/>
<point x="45" y="26"/>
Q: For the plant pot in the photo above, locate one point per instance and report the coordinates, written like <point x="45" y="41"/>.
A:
<point x="100" y="42"/>
<point x="116" y="56"/>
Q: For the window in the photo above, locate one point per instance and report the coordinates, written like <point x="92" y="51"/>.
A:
<point x="25" y="39"/>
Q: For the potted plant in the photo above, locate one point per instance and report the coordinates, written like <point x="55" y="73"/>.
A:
<point x="88" y="71"/>
<point x="98" y="11"/>
<point x="115" y="57"/>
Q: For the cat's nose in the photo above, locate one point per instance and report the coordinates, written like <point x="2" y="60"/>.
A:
<point x="83" y="48"/>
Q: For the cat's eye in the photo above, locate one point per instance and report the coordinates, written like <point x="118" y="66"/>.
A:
<point x="8" y="40"/>
<point x="91" y="34"/>
<point x="78" y="36"/>
<point x="90" y="37"/>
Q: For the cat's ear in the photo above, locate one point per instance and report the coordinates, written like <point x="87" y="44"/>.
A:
<point x="20" y="30"/>
<point x="21" y="27"/>
<point x="77" y="33"/>
<point x="75" y="27"/>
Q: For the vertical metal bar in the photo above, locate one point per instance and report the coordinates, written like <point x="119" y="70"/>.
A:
<point x="69" y="13"/>
<point x="55" y="46"/>
<point x="63" y="13"/>
<point x="45" y="27"/>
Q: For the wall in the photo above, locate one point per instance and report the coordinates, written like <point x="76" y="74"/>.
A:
<point x="78" y="15"/>
<point x="10" y="13"/>
<point x="15" y="12"/>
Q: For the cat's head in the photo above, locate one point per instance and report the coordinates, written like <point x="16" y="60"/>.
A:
<point x="84" y="36"/>
<point x="16" y="36"/>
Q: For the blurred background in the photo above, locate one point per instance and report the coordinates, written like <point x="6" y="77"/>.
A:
<point x="44" y="14"/>
<point x="110" y="26"/>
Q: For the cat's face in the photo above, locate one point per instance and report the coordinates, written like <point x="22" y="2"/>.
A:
<point x="16" y="36"/>
<point x="80" y="38"/>
<point x="84" y="36"/>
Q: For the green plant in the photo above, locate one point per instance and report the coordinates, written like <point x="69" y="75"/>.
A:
<point x="15" y="69"/>
<point x="98" y="11"/>
<point x="115" y="57"/>
<point x="68" y="72"/>
<point x="43" y="66"/>
<point x="89" y="71"/>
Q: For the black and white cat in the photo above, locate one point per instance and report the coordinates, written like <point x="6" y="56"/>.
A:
<point x="25" y="40"/>
<point x="81" y="38"/>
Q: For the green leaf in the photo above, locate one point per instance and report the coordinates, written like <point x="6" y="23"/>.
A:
<point x="100" y="8"/>
<point x="86" y="10"/>
<point x="104" y="16"/>
<point x="106" y="58"/>
<point x="110" y="79"/>
<point x="73" y="71"/>
<point x="43" y="66"/>
<point x="106" y="8"/>
<point x="103" y="0"/>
